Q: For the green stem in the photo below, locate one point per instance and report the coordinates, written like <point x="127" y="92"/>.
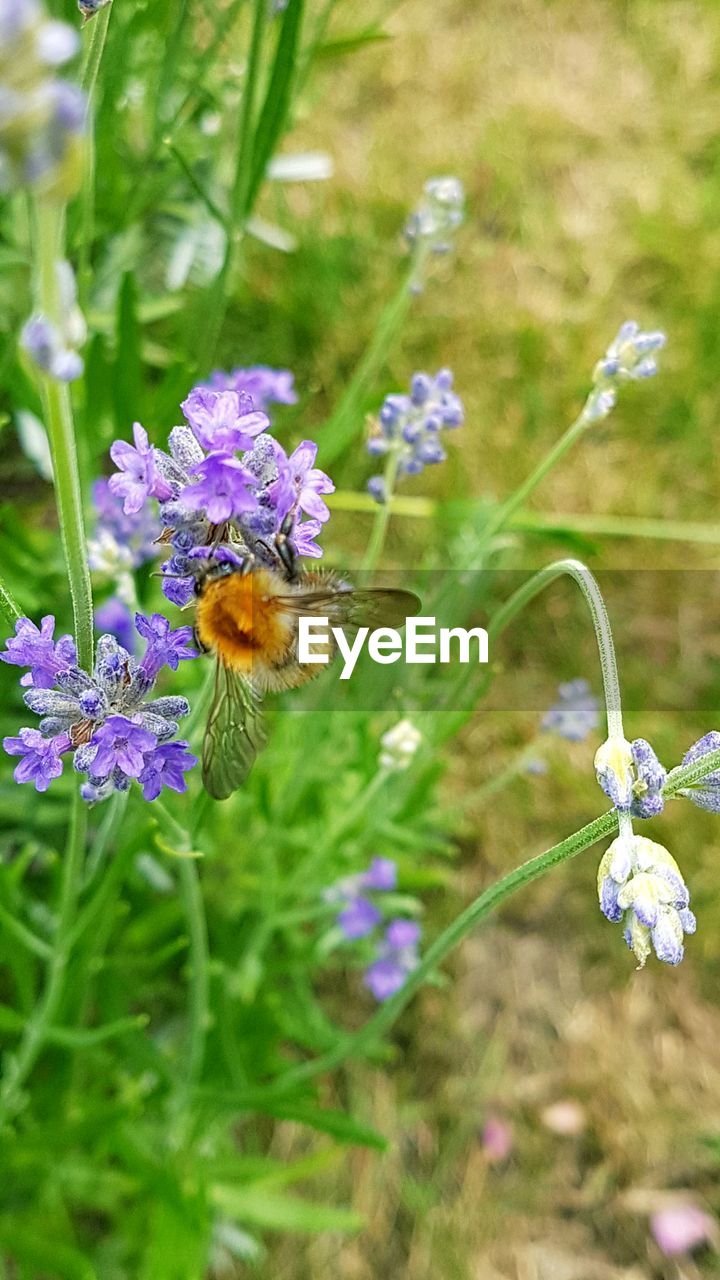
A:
<point x="218" y="300"/>
<point x="94" y="44"/>
<point x="502" y="514"/>
<point x="344" y="422"/>
<point x="61" y="434"/>
<point x="199" y="991"/>
<point x="379" y="529"/>
<point x="94" y="34"/>
<point x="36" y="1031"/>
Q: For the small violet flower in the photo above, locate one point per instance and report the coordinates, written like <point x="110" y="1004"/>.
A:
<point x="223" y="420"/>
<point x="41" y="757"/>
<point x="575" y="714"/>
<point x="263" y="385"/>
<point x="35" y="648"/>
<point x="358" y="918"/>
<point x="396" y="958"/>
<point x="165" y="647"/>
<point x="138" y="478"/>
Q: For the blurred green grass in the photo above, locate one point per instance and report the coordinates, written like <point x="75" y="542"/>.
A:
<point x="587" y="138"/>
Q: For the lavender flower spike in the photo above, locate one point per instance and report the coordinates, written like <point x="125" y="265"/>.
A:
<point x="107" y="717"/>
<point x="629" y="358"/>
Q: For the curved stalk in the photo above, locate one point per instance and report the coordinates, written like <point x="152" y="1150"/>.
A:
<point x="601" y="624"/>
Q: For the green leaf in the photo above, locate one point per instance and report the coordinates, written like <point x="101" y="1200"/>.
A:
<point x="127" y="374"/>
<point x="275" y="1212"/>
<point x="349" y="44"/>
<point x="31" y="1245"/>
<point x="341" y="1126"/>
<point x="275" y="108"/>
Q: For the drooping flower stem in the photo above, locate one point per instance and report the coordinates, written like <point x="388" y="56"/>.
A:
<point x="378" y="533"/>
<point x="49" y="250"/>
<point x="41" y="1020"/>
<point x="601" y="624"/>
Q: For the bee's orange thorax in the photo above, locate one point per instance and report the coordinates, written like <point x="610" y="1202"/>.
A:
<point x="240" y="619"/>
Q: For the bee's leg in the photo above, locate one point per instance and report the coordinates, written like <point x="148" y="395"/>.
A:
<point x="201" y="648"/>
<point x="284" y="547"/>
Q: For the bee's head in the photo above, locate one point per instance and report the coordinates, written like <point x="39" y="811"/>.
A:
<point x="221" y="564"/>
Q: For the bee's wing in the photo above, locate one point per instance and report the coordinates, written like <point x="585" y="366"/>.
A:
<point x="379" y="607"/>
<point x="234" y="733"/>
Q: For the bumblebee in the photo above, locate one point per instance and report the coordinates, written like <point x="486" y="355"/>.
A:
<point x="247" y="618"/>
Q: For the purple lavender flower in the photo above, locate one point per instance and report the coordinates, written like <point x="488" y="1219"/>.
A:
<point x="650" y="779"/>
<point x="303" y="539"/>
<point x="108" y="719"/>
<point x="706" y="795"/>
<point x="396" y="958"/>
<point x="384" y="977"/>
<point x="42" y="757"/>
<point x="411" y="426"/>
<point x="121" y="743"/>
<point x="39" y="133"/>
<point x="263" y="384"/>
<point x="381" y="874"/>
<point x="307" y="481"/>
<point x="223" y="420"/>
<point x="165" y="647"/>
<point x="240" y="498"/>
<point x="114" y="618"/>
<point x="403" y="934"/>
<point x="166" y="766"/>
<point x="575" y="714"/>
<point x="138" y="478"/>
<point x="35" y="648"/>
<point x="358" y="918"/>
<point x="223" y="490"/>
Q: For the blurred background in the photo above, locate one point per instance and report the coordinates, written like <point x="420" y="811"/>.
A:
<point x="587" y="137"/>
